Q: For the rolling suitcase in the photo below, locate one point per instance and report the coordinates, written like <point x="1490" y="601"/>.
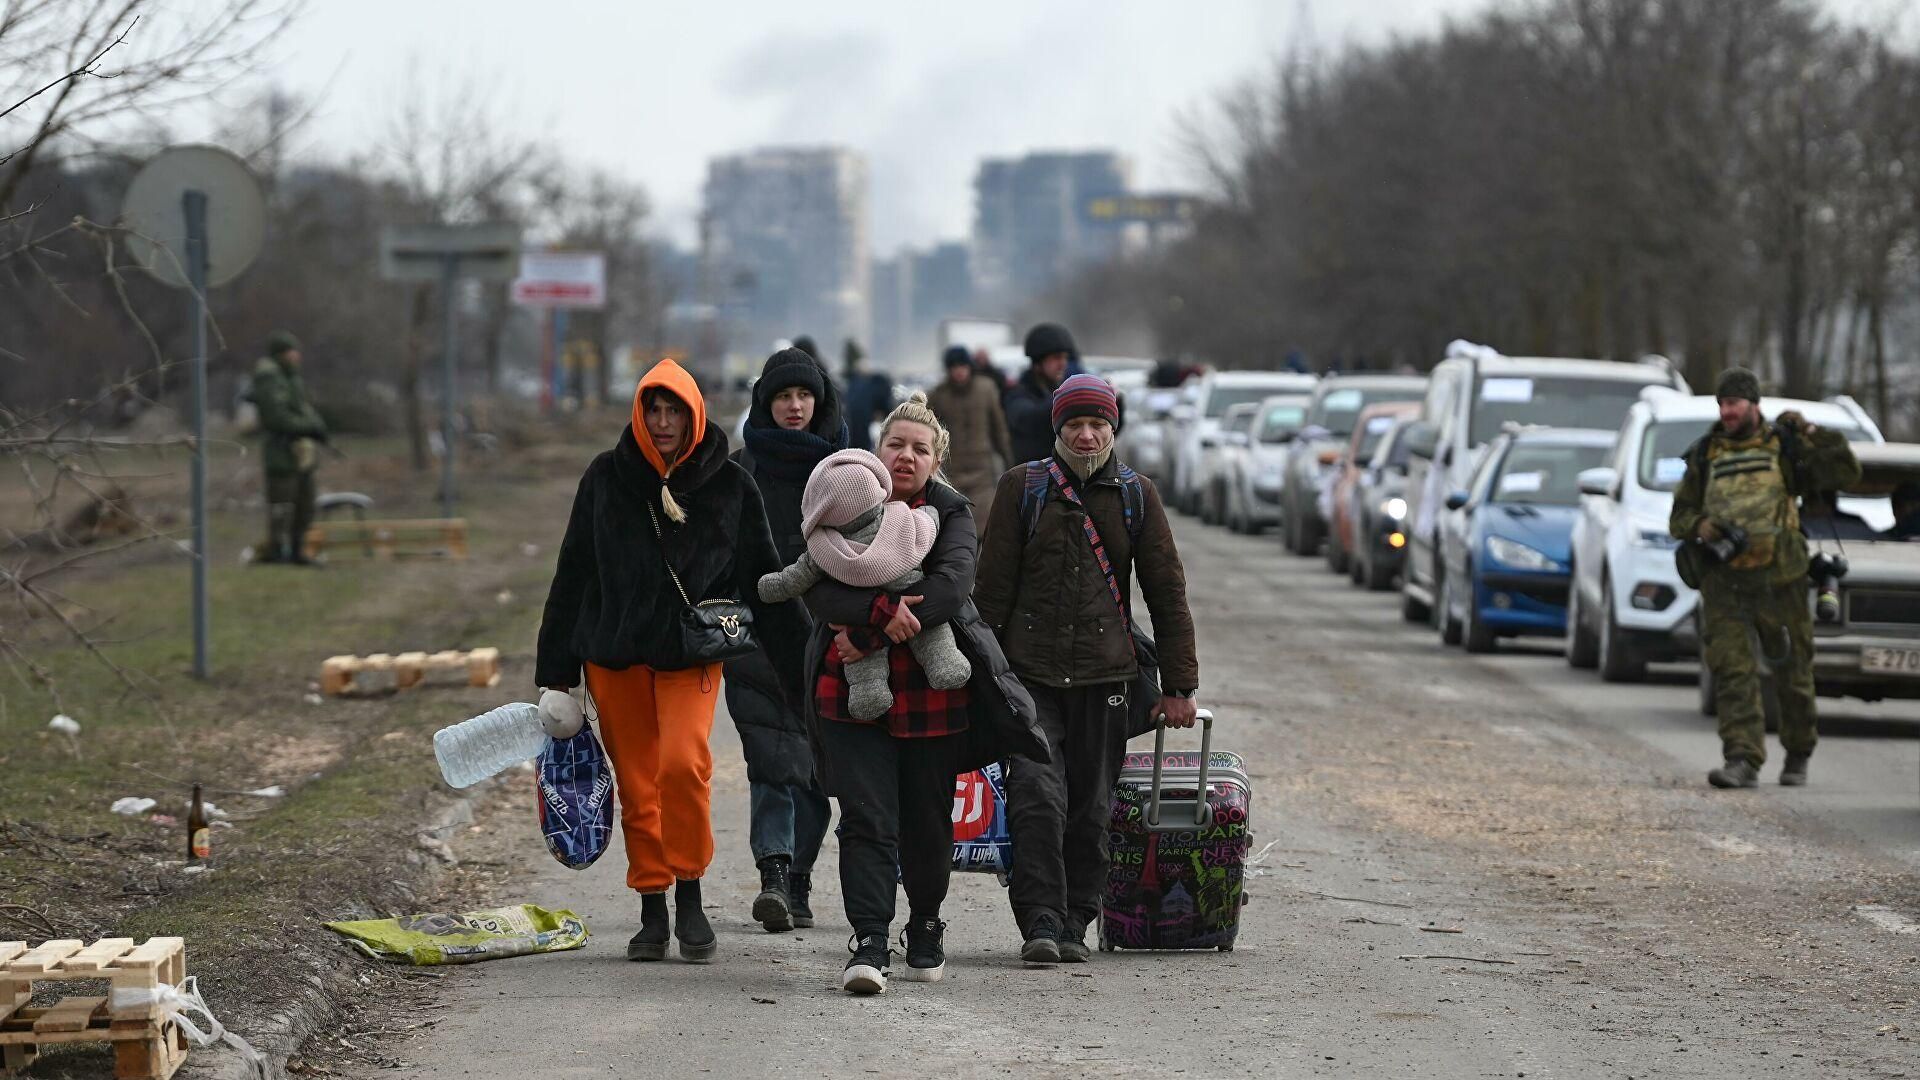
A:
<point x="982" y="841"/>
<point x="1177" y="848"/>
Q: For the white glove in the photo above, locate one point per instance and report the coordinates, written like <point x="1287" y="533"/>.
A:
<point x="560" y="714"/>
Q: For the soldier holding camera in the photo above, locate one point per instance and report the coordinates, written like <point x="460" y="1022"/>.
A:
<point x="1742" y="547"/>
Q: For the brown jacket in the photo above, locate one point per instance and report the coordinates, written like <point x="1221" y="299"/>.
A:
<point x="1049" y="603"/>
<point x="980" y="448"/>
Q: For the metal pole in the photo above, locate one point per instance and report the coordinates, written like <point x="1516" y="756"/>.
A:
<point x="449" y="273"/>
<point x="560" y="321"/>
<point x="194" y="204"/>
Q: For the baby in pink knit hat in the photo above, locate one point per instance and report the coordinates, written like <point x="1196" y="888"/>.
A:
<point x="857" y="537"/>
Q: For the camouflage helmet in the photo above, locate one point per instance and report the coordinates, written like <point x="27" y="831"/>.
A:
<point x="281" y="341"/>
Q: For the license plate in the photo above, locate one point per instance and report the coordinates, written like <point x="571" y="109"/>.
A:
<point x="1890" y="661"/>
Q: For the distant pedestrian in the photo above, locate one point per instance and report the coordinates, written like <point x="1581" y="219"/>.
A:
<point x="894" y="776"/>
<point x="969" y="405"/>
<point x="1050" y="352"/>
<point x="1054" y="584"/>
<point x="868" y="396"/>
<point x="793" y="425"/>
<point x="661" y="523"/>
<point x="291" y="433"/>
<point x="1741" y="546"/>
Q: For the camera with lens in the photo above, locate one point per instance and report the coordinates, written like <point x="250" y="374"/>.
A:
<point x="1826" y="571"/>
<point x="1731" y="544"/>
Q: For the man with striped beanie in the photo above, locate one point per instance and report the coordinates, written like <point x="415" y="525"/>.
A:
<point x="1058" y="595"/>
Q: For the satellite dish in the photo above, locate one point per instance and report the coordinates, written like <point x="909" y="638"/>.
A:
<point x="157" y="223"/>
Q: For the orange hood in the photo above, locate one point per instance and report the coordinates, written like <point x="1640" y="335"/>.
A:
<point x="671" y="377"/>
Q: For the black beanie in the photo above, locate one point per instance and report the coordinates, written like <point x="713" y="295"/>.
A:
<point x="1048" y="338"/>
<point x="956" y="356"/>
<point x="790" y="367"/>
<point x="1738" y="382"/>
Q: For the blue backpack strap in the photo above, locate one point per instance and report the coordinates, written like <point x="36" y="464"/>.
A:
<point x="1133" y="501"/>
<point x="1033" y="495"/>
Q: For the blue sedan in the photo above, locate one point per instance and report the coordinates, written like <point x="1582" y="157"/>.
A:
<point x="1505" y="543"/>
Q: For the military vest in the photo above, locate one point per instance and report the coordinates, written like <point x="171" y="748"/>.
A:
<point x="1746" y="488"/>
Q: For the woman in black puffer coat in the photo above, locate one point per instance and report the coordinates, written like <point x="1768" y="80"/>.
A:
<point x="795" y="422"/>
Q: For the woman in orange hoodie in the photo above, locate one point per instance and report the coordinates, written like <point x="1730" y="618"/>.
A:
<point x="664" y="496"/>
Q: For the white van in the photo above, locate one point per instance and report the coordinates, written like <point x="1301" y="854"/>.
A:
<point x="1472" y="395"/>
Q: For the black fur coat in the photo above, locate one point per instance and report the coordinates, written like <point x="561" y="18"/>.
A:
<point x="612" y="603"/>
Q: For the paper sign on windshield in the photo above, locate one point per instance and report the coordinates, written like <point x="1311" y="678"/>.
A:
<point x="1669" y="470"/>
<point x="1507" y="390"/>
<point x="1378" y="424"/>
<point x="1522" y="483"/>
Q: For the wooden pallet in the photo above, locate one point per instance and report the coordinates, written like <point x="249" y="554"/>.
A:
<point x="339" y="674"/>
<point x="147" y="1043"/>
<point x="388" y="539"/>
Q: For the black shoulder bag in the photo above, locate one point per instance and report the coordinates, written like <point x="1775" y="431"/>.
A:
<point x="712" y="630"/>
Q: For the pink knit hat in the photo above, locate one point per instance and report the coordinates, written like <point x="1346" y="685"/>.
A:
<point x="844" y="486"/>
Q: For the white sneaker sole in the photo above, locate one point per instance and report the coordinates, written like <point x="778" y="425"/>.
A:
<point x="932" y="974"/>
<point x="864" y="979"/>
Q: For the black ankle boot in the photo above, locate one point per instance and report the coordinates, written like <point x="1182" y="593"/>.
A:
<point x="799" y="899"/>
<point x="773" y="908"/>
<point x="651" y="942"/>
<point x="697" y="944"/>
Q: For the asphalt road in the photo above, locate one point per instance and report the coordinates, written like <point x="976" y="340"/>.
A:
<point x="1468" y="867"/>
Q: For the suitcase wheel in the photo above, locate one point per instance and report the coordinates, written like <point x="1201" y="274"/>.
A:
<point x="1226" y="948"/>
<point x="1105" y="945"/>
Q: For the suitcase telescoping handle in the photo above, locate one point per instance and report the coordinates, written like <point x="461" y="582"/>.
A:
<point x="1201" y="810"/>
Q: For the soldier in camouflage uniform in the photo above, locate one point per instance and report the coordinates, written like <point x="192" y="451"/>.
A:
<point x="291" y="432"/>
<point x="1745" y="474"/>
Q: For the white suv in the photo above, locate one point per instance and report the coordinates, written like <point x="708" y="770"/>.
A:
<point x="1628" y="605"/>
<point x="1199" y="417"/>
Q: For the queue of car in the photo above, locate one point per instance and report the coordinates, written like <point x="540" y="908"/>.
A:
<point x="1529" y="496"/>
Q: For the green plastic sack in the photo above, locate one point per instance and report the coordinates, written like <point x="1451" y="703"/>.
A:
<point x="468" y="937"/>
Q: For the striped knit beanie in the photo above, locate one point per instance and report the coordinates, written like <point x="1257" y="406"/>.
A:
<point x="1085" y="395"/>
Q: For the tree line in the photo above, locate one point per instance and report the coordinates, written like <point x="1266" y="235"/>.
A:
<point x="76" y="317"/>
<point x="1719" y="181"/>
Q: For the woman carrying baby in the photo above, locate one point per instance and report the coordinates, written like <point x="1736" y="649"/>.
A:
<point x="891" y="761"/>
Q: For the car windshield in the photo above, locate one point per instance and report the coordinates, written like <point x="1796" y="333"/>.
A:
<point x="1240" y="421"/>
<point x="1550" y="402"/>
<point x="1370" y="436"/>
<point x="1663" y="447"/>
<point x="1339" y="409"/>
<point x="1545" y="475"/>
<point x="1281" y="422"/>
<point x="1223" y="398"/>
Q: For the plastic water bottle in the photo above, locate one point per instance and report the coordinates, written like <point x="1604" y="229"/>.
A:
<point x="472" y="750"/>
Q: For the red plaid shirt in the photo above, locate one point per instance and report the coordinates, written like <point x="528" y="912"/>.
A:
<point x="919" y="711"/>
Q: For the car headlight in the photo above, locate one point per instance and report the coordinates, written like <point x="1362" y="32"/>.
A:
<point x="1517" y="555"/>
<point x="1658" y="539"/>
<point x="1395" y="508"/>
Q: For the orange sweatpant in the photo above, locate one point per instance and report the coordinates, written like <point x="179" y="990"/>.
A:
<point x="655" y="725"/>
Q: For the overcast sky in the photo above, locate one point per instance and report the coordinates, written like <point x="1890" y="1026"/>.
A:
<point x="651" y="90"/>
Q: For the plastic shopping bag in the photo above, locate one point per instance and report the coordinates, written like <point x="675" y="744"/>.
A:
<point x="576" y="799"/>
<point x="468" y="937"/>
<point x="982" y="843"/>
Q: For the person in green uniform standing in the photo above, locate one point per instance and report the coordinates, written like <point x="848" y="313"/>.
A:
<point x="291" y="432"/>
<point x="1742" y="547"/>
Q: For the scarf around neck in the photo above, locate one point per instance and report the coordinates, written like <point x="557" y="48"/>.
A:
<point x="1082" y="466"/>
<point x="790" y="455"/>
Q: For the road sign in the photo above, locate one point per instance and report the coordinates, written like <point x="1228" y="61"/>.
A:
<point x="157" y="229"/>
<point x="195" y="218"/>
<point x="1150" y="209"/>
<point x="561" y="279"/>
<point x="447" y="253"/>
<point x="419" y="252"/>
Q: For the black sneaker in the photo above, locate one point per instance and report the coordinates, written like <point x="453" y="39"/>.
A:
<point x="926" y="960"/>
<point x="1794" y="772"/>
<point x="1073" y="945"/>
<point x="1042" y="946"/>
<point x="1736" y="773"/>
<point x="799" y="893"/>
<point x="867" y="972"/>
<point x="772" y="908"/>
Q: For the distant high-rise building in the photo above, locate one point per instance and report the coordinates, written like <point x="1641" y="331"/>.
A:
<point x="784" y="247"/>
<point x="1031" y="224"/>
<point x="912" y="293"/>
